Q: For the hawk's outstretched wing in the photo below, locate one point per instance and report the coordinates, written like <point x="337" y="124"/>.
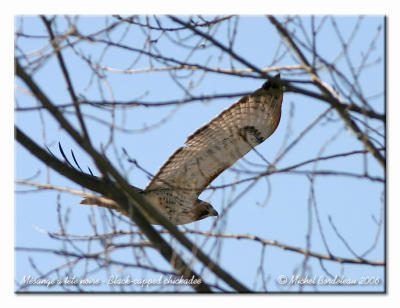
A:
<point x="221" y="142"/>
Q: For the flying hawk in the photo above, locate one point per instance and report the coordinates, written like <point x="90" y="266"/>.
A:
<point x="210" y="150"/>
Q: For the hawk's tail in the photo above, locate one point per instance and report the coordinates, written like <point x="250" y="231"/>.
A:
<point x="100" y="201"/>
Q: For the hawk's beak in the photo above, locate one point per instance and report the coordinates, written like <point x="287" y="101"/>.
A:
<point x="214" y="213"/>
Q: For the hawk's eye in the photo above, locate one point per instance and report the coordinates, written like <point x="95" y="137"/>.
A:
<point x="203" y="213"/>
<point x="267" y="85"/>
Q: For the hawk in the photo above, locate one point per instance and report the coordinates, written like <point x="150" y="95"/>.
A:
<point x="211" y="149"/>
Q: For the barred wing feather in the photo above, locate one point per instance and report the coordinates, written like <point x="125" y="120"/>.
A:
<point x="221" y="142"/>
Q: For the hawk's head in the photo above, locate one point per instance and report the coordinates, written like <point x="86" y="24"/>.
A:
<point x="203" y="209"/>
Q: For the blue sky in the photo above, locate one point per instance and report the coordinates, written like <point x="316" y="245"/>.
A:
<point x="283" y="216"/>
